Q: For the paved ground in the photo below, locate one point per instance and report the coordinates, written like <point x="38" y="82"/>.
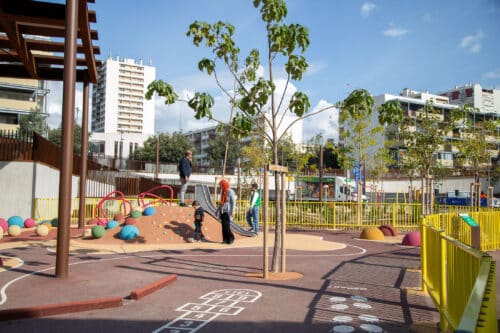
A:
<point x="363" y="286"/>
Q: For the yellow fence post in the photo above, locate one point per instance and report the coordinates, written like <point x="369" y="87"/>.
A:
<point x="443" y="297"/>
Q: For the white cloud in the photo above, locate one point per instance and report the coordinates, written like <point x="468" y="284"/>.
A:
<point x="494" y="74"/>
<point x="316" y="67"/>
<point x="395" y="32"/>
<point x="55" y="102"/>
<point x="472" y="43"/>
<point x="324" y="123"/>
<point x="367" y="8"/>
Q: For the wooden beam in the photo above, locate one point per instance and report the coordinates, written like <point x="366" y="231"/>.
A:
<point x="278" y="168"/>
<point x="16" y="41"/>
<point x="84" y="28"/>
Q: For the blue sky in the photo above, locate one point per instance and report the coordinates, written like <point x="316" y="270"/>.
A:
<point x="381" y="46"/>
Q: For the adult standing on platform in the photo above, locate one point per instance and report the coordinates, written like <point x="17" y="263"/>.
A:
<point x="253" y="211"/>
<point x="185" y="166"/>
<point x="227" y="207"/>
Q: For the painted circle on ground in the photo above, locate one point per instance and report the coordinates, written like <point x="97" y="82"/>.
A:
<point x="369" y="318"/>
<point x="371" y="328"/>
<point x="362" y="305"/>
<point x="359" y="298"/>
<point x="339" y="306"/>
<point x="343" y="329"/>
<point x="337" y="299"/>
<point x="342" y="319"/>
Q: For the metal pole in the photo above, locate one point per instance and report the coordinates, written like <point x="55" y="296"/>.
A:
<point x="320" y="173"/>
<point x="67" y="139"/>
<point x="266" y="223"/>
<point x="85" y="145"/>
<point x="157" y="156"/>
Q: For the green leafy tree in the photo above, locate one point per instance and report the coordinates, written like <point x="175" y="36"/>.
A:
<point x="474" y="151"/>
<point x="419" y="140"/>
<point x="171" y="147"/>
<point x="330" y="154"/>
<point x="35" y="121"/>
<point x="254" y="158"/>
<point x="225" y="147"/>
<point x="54" y="135"/>
<point x="257" y="103"/>
<point x="359" y="135"/>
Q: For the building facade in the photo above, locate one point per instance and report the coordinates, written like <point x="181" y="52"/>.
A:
<point x="201" y="138"/>
<point x="413" y="103"/>
<point x="122" y="119"/>
<point x="20" y="97"/>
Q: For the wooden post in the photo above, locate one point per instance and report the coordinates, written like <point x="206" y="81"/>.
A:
<point x="84" y="153"/>
<point x="66" y="161"/>
<point x="266" y="223"/>
<point x="283" y="222"/>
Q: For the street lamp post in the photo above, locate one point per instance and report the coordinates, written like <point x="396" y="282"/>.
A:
<point x="157" y="156"/>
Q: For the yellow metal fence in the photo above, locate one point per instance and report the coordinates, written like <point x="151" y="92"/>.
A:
<point x="299" y="214"/>
<point x="460" y="279"/>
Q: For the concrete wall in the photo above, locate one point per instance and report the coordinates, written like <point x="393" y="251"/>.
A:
<point x="22" y="181"/>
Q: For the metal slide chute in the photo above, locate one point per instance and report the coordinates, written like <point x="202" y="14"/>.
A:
<point x="202" y="195"/>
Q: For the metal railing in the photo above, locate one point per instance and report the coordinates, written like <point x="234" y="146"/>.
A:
<point x="460" y="279"/>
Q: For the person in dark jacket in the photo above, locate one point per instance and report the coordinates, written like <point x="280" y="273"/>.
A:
<point x="185" y="166"/>
<point x="199" y="215"/>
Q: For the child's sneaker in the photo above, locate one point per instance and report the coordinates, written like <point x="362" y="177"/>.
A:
<point x="190" y="240"/>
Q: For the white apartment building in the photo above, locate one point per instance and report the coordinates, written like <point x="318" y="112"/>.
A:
<point x="486" y="100"/>
<point x="122" y="119"/>
<point x="202" y="137"/>
<point x="413" y="102"/>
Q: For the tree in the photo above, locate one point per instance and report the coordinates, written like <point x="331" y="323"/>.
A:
<point x="35" y="121"/>
<point x="218" y="151"/>
<point x="420" y="138"/>
<point x="172" y="148"/>
<point x="54" y="135"/>
<point x="257" y="103"/>
<point x="359" y="135"/>
<point x="330" y="153"/>
<point x="474" y="152"/>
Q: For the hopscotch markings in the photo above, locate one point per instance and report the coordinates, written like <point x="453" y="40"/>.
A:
<point x="344" y="323"/>
<point x="214" y="304"/>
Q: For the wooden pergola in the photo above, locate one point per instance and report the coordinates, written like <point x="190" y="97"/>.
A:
<point x="53" y="41"/>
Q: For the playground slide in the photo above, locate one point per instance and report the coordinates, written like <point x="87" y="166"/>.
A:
<point x="202" y="195"/>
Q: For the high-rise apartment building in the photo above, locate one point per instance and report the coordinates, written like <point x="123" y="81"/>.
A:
<point x="122" y="119"/>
